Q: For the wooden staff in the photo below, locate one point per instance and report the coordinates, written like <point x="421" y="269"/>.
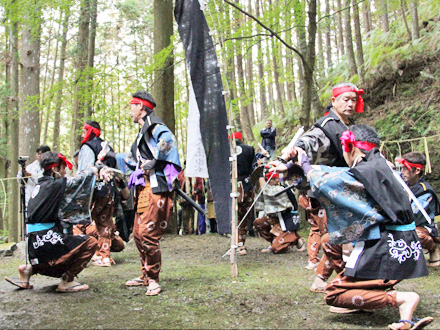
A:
<point x="234" y="195"/>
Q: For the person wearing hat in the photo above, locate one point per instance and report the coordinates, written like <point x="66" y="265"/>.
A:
<point x="158" y="166"/>
<point x="52" y="250"/>
<point x="368" y="208"/>
<point x="413" y="165"/>
<point x="280" y="223"/>
<point x="322" y="145"/>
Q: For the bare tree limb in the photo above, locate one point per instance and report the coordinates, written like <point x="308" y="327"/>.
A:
<point x="272" y="33"/>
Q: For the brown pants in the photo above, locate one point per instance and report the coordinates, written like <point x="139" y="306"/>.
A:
<point x="280" y="243"/>
<point x="244" y="203"/>
<point x="349" y="292"/>
<point x="332" y="259"/>
<point x="428" y="242"/>
<point x="102" y="214"/>
<point x="149" y="227"/>
<point x="71" y="264"/>
<point x="117" y="244"/>
<point x="317" y="218"/>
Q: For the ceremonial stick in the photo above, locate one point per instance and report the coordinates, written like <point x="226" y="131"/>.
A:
<point x="295" y="138"/>
<point x="411" y="195"/>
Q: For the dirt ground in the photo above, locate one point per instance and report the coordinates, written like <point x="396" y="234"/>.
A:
<point x="272" y="291"/>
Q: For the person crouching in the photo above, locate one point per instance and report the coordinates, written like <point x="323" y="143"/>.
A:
<point x="53" y="252"/>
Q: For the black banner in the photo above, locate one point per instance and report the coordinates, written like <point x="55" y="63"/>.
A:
<point x="208" y="87"/>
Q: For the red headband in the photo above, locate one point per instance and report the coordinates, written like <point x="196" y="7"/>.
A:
<point x="63" y="160"/>
<point x="90" y="129"/>
<point x="348" y="140"/>
<point x="236" y="135"/>
<point x="269" y="175"/>
<point x="360" y="101"/>
<point x="136" y="100"/>
<point x="408" y="165"/>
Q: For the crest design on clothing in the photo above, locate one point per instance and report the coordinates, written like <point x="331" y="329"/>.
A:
<point x="50" y="237"/>
<point x="357" y="301"/>
<point x="401" y="251"/>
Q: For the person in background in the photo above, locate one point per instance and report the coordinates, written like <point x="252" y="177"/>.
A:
<point x="32" y="172"/>
<point x="268" y="135"/>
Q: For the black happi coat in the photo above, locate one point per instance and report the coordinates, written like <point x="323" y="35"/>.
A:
<point x="44" y="204"/>
<point x="397" y="255"/>
<point x="245" y="160"/>
<point x="421" y="188"/>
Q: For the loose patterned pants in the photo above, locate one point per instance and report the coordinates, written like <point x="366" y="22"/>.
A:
<point x="428" y="242"/>
<point x="332" y="259"/>
<point x="353" y="293"/>
<point x="317" y="218"/>
<point x="151" y="220"/>
<point x="71" y="264"/>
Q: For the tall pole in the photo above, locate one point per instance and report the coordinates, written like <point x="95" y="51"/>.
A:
<point x="234" y="208"/>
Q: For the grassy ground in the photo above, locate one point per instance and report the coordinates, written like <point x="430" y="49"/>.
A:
<point x="198" y="292"/>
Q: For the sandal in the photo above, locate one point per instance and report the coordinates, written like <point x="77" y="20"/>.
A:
<point x="22" y="285"/>
<point x="342" y="310"/>
<point x="74" y="288"/>
<point x="106" y="262"/>
<point x="415" y="324"/>
<point x="433" y="263"/>
<point x="153" y="289"/>
<point x="136" y="282"/>
<point x="301" y="244"/>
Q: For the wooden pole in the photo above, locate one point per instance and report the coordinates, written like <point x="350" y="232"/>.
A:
<point x="234" y="195"/>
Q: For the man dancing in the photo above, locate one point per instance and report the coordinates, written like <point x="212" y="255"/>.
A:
<point x="52" y="252"/>
<point x="94" y="149"/>
<point x="413" y="165"/>
<point x="158" y="165"/>
<point x="366" y="206"/>
<point x="321" y="144"/>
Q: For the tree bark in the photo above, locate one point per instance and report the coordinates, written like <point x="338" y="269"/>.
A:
<point x="13" y="131"/>
<point x="81" y="75"/>
<point x="290" y="75"/>
<point x="262" y="84"/>
<point x="60" y="82"/>
<point x="328" y="44"/>
<point x="250" y="77"/>
<point x="358" y="36"/>
<point x="402" y="12"/>
<point x="349" y="40"/>
<point x="30" y="82"/>
<point x="163" y="87"/>
<point x="385" y="22"/>
<point x="340" y="30"/>
<point x="415" y="34"/>
<point x="88" y="106"/>
<point x="367" y="16"/>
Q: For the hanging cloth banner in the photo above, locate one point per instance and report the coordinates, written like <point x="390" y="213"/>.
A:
<point x="196" y="165"/>
<point x="208" y="89"/>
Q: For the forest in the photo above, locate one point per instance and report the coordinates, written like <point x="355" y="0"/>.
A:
<point x="68" y="61"/>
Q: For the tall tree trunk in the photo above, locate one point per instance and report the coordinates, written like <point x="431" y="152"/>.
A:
<point x="88" y="108"/>
<point x="320" y="58"/>
<point x="300" y="23"/>
<point x="81" y="75"/>
<point x="290" y="75"/>
<point x="366" y="11"/>
<point x="349" y="40"/>
<point x="244" y="114"/>
<point x="414" y="20"/>
<point x="384" y="10"/>
<point x="164" y="79"/>
<point x="13" y="131"/>
<point x="250" y="77"/>
<point x="402" y="12"/>
<point x="262" y="84"/>
<point x="60" y="83"/>
<point x="340" y="30"/>
<point x="30" y="82"/>
<point x="309" y="67"/>
<point x="358" y="36"/>
<point x="328" y="44"/>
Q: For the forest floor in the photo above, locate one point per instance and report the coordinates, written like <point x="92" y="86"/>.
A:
<point x="272" y="291"/>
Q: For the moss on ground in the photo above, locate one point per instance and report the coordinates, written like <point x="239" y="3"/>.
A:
<point x="198" y="292"/>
